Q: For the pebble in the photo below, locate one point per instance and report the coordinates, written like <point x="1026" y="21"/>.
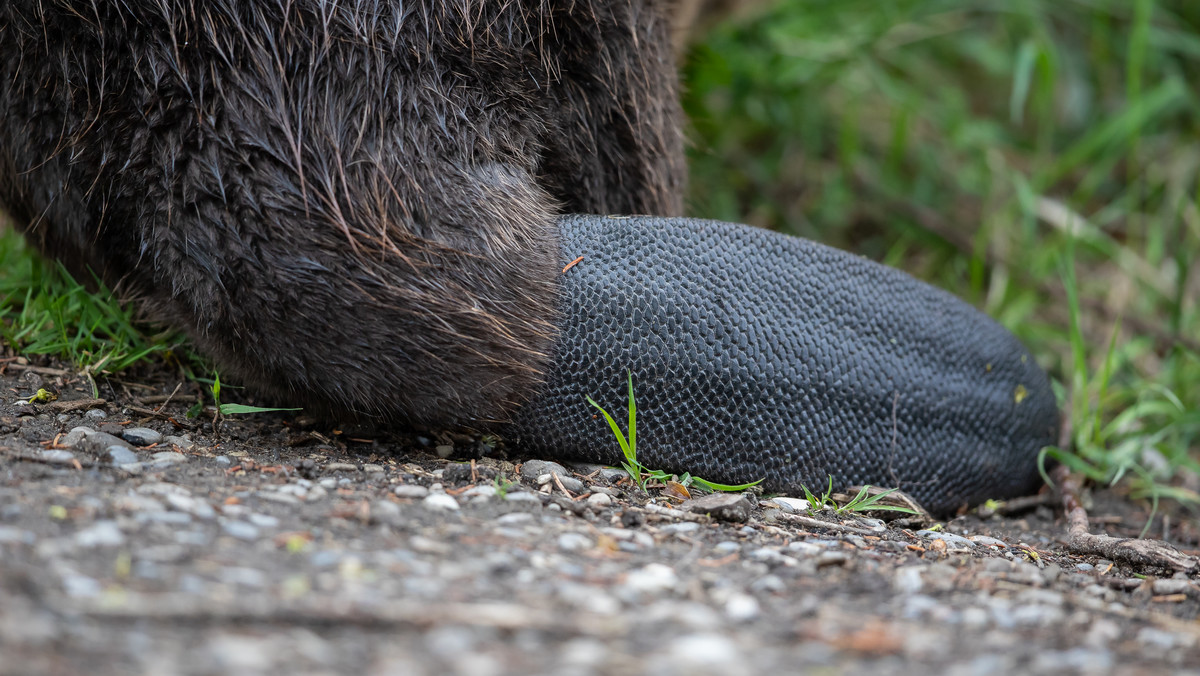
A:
<point x="119" y="455"/>
<point x="240" y="530"/>
<point x="223" y="460"/>
<point x="741" y="607"/>
<point x="182" y="442"/>
<point x="412" y="491"/>
<point x="167" y="458"/>
<point x="95" y="414"/>
<point x="599" y="500"/>
<point x="72" y="438"/>
<point x="58" y="456"/>
<point x="951" y="539"/>
<point x="908" y="580"/>
<point x="439" y="502"/>
<point x="727" y="547"/>
<point x="444" y="450"/>
<point x="791" y="505"/>
<point x="988" y="541"/>
<point x="523" y="496"/>
<point x="280" y="498"/>
<point x="574" y="542"/>
<point x="341" y="467"/>
<point x="654" y="578"/>
<point x="1172" y="586"/>
<point x="194" y="506"/>
<point x="142" y="436"/>
<point x="514" y="518"/>
<point x="100" y="534"/>
<point x="373" y="469"/>
<point x="681" y="528"/>
<point x="771" y="584"/>
<point x="263" y="520"/>
<point x="703" y="652"/>
<point x="12" y="535"/>
<point x="733" y="507"/>
<point x="483" y="492"/>
<point x="532" y="469"/>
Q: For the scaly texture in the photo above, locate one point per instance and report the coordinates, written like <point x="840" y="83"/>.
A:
<point x="760" y="356"/>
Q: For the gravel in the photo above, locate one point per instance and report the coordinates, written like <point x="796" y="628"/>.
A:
<point x="250" y="552"/>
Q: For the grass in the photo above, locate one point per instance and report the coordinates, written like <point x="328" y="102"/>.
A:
<point x="1037" y="157"/>
<point x="43" y="311"/>
<point x="863" y="501"/>
<point x="636" y="470"/>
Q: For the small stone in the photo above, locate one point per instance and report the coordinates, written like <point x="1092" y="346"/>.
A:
<point x="411" y="491"/>
<point x="482" y="492"/>
<point x="741" y="608"/>
<point x="373" y="469"/>
<point x="240" y="530"/>
<point x="58" y="456"/>
<point x="13" y="535"/>
<point x="119" y="455"/>
<point x="652" y="579"/>
<point x="772" y="584"/>
<point x="167" y="458"/>
<point x="574" y="542"/>
<point x="183" y="443"/>
<point x="514" y="518"/>
<point x="439" y="502"/>
<point x="791" y="505"/>
<point x="280" y="498"/>
<point x="598" y="500"/>
<point x="223" y="460"/>
<point x="681" y="528"/>
<point x="726" y="547"/>
<point x="263" y="520"/>
<point x="908" y="580"/>
<point x="532" y="469"/>
<point x="100" y="534"/>
<point x="950" y="539"/>
<point x="340" y="467"/>
<point x="734" y="507"/>
<point x="703" y="652"/>
<point x="1084" y="566"/>
<point x="523" y="496"/>
<point x="444" y="450"/>
<point x="142" y="436"/>
<point x="95" y="414"/>
<point x="986" y="541"/>
<point x="194" y="506"/>
<point x="72" y="438"/>
<point x="1172" y="586"/>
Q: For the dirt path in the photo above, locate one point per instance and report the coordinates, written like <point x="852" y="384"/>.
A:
<point x="277" y="548"/>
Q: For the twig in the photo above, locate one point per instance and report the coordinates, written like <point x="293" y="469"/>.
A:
<point x="43" y="370"/>
<point x="73" y="405"/>
<point x="674" y="513"/>
<point x="1129" y="550"/>
<point x="817" y="523"/>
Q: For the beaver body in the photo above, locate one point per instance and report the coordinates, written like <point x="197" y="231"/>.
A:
<point x="354" y="206"/>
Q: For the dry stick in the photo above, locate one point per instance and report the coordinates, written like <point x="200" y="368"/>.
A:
<point x="817" y="523"/>
<point x="1130" y="550"/>
<point x="73" y="405"/>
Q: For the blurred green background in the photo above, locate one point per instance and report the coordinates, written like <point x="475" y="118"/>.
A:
<point x="1039" y="158"/>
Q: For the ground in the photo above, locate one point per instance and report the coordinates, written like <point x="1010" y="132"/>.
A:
<point x="279" y="545"/>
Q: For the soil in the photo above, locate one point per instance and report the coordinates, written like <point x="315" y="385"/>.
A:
<point x="274" y="544"/>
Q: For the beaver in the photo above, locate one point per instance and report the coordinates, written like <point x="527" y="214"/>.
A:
<point x="357" y="206"/>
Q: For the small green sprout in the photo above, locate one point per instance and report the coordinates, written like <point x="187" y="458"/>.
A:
<point x="637" y="471"/>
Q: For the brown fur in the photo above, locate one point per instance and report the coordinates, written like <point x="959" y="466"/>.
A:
<point x="349" y="204"/>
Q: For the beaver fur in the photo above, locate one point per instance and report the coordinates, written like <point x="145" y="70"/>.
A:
<point x="349" y="204"/>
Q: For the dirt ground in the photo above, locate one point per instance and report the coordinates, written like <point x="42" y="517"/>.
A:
<point x="277" y="545"/>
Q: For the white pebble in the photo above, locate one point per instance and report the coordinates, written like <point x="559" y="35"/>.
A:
<point x="439" y="502"/>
